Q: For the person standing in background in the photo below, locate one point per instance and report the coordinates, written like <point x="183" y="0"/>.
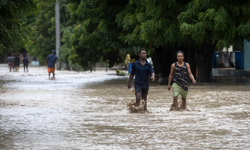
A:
<point x="10" y="61"/>
<point x="17" y="62"/>
<point x="25" y="62"/>
<point x="13" y="66"/>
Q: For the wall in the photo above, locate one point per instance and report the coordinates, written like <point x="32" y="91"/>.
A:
<point x="246" y="55"/>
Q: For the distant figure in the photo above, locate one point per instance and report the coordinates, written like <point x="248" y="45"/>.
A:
<point x="13" y="65"/>
<point x="17" y="62"/>
<point x="25" y="62"/>
<point x="231" y="64"/>
<point x="179" y="73"/>
<point x="10" y="61"/>
<point x="52" y="59"/>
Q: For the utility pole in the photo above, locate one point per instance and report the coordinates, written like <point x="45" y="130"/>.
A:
<point x="58" y="34"/>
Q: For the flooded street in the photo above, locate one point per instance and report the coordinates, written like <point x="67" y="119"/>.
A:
<point x="89" y="111"/>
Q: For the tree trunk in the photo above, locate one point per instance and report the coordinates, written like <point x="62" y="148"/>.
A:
<point x="203" y="60"/>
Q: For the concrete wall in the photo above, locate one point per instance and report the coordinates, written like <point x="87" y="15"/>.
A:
<point x="230" y="72"/>
<point x="246" y="55"/>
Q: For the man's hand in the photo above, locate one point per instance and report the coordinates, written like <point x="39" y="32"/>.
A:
<point x="194" y="81"/>
<point x="169" y="87"/>
<point x="153" y="78"/>
<point x="45" y="64"/>
<point x="129" y="86"/>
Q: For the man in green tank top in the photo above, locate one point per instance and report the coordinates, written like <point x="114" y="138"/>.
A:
<point x="179" y="74"/>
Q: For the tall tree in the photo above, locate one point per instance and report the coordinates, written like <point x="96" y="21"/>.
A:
<point x="97" y="32"/>
<point x="13" y="33"/>
<point x="44" y="26"/>
<point x="154" y="25"/>
<point x="214" y="23"/>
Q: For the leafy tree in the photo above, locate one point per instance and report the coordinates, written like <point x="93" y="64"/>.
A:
<point x="212" y="22"/>
<point x="194" y="26"/>
<point x="65" y="48"/>
<point x="44" y="35"/>
<point x="151" y="24"/>
<point x="44" y="27"/>
<point x="13" y="33"/>
<point x="97" y="32"/>
<point x="154" y="26"/>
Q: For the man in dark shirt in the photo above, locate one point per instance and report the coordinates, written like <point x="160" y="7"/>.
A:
<point x="52" y="59"/>
<point x="25" y="62"/>
<point x="141" y="69"/>
<point x="17" y="62"/>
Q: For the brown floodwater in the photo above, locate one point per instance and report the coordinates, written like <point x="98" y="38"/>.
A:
<point x="89" y="111"/>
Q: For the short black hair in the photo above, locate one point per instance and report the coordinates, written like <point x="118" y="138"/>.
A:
<point x="142" y="49"/>
<point x="24" y="55"/>
<point x="180" y="52"/>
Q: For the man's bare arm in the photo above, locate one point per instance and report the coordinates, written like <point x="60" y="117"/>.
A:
<point x="129" y="80"/>
<point x="190" y="74"/>
<point x="170" y="77"/>
<point x="153" y="77"/>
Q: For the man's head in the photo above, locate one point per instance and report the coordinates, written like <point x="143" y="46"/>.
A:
<point x="180" y="55"/>
<point x="53" y="51"/>
<point x="143" y="53"/>
<point x="24" y="55"/>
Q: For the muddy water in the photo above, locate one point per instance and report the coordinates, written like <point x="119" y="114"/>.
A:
<point x="88" y="111"/>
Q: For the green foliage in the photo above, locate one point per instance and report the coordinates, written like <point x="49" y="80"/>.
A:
<point x="44" y="36"/>
<point x="223" y="22"/>
<point x="13" y="32"/>
<point x="151" y="24"/>
<point x="97" y="32"/>
<point x="65" y="48"/>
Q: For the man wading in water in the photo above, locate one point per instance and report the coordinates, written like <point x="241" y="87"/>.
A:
<point x="52" y="59"/>
<point x="141" y="69"/>
<point x="179" y="73"/>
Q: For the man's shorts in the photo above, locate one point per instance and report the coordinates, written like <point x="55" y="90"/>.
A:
<point x="177" y="90"/>
<point x="51" y="70"/>
<point x="143" y="91"/>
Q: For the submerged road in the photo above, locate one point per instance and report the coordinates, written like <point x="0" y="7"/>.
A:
<point x="82" y="110"/>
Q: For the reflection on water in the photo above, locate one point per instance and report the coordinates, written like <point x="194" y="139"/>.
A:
<point x="77" y="113"/>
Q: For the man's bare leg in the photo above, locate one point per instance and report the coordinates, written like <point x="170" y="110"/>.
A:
<point x="10" y="67"/>
<point x="175" y="101"/>
<point x="138" y="99"/>
<point x="145" y="98"/>
<point x="53" y="75"/>
<point x="184" y="104"/>
<point x="49" y="75"/>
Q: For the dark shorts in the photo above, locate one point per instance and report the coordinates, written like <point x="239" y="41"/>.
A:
<point x="141" y="90"/>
